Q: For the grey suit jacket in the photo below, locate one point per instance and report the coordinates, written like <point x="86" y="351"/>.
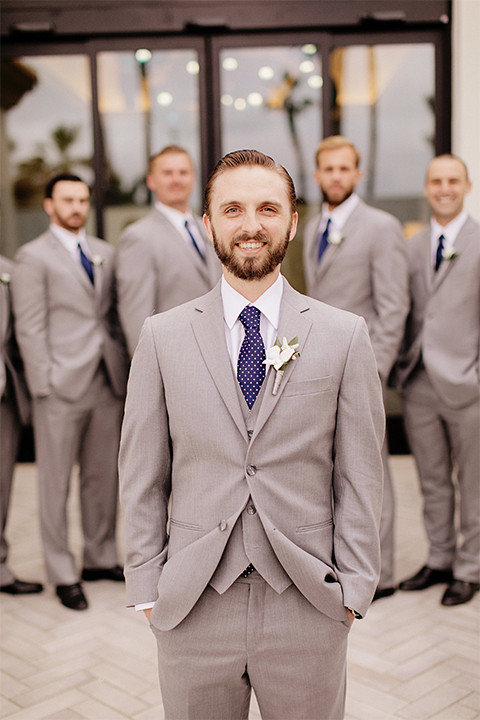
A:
<point x="443" y="327"/>
<point x="365" y="274"/>
<point x="12" y="377"/>
<point x="157" y="270"/>
<point x="65" y="326"/>
<point x="312" y="466"/>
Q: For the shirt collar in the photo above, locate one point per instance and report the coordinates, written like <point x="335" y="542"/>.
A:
<point x="341" y="213"/>
<point x="449" y="231"/>
<point x="70" y="240"/>
<point x="268" y="303"/>
<point x="176" y="217"/>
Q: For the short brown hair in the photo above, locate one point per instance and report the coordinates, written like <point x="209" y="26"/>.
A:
<point x="169" y="150"/>
<point x="250" y="158"/>
<point x="335" y="142"/>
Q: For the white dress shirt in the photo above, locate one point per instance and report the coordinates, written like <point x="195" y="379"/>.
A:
<point x="70" y="241"/>
<point x="339" y="215"/>
<point x="449" y="232"/>
<point x="233" y="304"/>
<point x="178" y="218"/>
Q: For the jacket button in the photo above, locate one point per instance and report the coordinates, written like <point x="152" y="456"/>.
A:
<point x="251" y="470"/>
<point x="249" y="433"/>
<point x="223" y="525"/>
<point x="251" y="510"/>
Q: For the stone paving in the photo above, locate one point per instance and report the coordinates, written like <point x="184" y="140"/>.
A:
<point x="410" y="658"/>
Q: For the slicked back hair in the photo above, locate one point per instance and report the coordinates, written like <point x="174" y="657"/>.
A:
<point x="58" y="178"/>
<point x="248" y="158"/>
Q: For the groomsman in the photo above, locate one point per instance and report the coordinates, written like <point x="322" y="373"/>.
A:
<point x="14" y="412"/>
<point x="76" y="367"/>
<point x="354" y="259"/>
<point x="164" y="259"/>
<point x="438" y="374"/>
<point x="252" y="498"/>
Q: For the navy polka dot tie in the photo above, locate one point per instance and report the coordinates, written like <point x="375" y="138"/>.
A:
<point x="250" y="369"/>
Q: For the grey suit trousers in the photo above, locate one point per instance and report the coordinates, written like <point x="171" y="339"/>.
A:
<point x="9" y="439"/>
<point x="87" y="430"/>
<point x="441" y="437"/>
<point x="292" y="655"/>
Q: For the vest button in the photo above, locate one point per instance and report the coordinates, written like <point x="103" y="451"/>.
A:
<point x="249" y="433"/>
<point x="223" y="525"/>
<point x="251" y="510"/>
<point x="251" y="470"/>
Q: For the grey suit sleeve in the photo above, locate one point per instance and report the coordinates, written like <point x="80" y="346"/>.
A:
<point x="389" y="273"/>
<point x="136" y="276"/>
<point x="358" y="474"/>
<point x="145" y="473"/>
<point x="30" y="307"/>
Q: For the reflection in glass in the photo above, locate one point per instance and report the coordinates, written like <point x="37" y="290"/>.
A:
<point x="146" y="102"/>
<point x="281" y="115"/>
<point x="269" y="103"/>
<point x="384" y="102"/>
<point x="46" y="128"/>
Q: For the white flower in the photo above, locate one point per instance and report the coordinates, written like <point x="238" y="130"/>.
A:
<point x="335" y="237"/>
<point x="98" y="260"/>
<point x="280" y="354"/>
<point x="449" y="253"/>
<point x="5" y="278"/>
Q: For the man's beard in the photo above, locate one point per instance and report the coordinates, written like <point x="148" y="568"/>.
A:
<point x="335" y="202"/>
<point x="251" y="268"/>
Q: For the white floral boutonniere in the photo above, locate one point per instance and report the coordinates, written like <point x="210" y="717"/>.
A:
<point x="449" y="253"/>
<point x="279" y="356"/>
<point x="98" y="260"/>
<point x="5" y="278"/>
<point x="335" y="237"/>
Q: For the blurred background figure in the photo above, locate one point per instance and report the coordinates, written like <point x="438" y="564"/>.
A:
<point x="354" y="259"/>
<point x="14" y="412"/>
<point x="438" y="376"/>
<point x="76" y="369"/>
<point x="164" y="259"/>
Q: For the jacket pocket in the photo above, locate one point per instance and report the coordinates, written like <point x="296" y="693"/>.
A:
<point x="308" y="387"/>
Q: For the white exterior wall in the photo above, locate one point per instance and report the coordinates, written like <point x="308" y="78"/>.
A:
<point x="466" y="93"/>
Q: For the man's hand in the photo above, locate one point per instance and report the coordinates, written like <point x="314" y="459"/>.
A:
<point x="148" y="612"/>
<point x="351" y="616"/>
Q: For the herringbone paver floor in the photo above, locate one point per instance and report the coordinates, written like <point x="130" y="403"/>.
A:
<point x="410" y="658"/>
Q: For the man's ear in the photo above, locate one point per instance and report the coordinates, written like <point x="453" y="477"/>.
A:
<point x="149" y="182"/>
<point x="47" y="206"/>
<point x="293" y="229"/>
<point x="208" y="227"/>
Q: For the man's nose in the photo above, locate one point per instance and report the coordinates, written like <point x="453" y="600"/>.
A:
<point x="251" y="223"/>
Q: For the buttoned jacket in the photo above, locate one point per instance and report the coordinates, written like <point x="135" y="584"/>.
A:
<point x="366" y="273"/>
<point x="65" y="325"/>
<point x="443" y="327"/>
<point x="312" y="466"/>
<point x="157" y="270"/>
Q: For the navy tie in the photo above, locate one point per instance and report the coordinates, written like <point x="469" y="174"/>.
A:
<point x="195" y="244"/>
<point x="323" y="241"/>
<point x="439" y="255"/>
<point x="250" y="369"/>
<point x="86" y="264"/>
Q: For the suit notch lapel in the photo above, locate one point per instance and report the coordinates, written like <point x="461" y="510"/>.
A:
<point x="209" y="333"/>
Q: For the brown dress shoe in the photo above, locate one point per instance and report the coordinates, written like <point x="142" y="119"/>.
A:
<point x="19" y="587"/>
<point x="72" y="596"/>
<point x="426" y="577"/>
<point x="459" y="592"/>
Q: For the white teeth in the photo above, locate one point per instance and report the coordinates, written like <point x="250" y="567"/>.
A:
<point x="250" y="245"/>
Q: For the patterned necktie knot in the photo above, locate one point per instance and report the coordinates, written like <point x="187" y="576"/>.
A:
<point x="250" y="369"/>
<point x="250" y="317"/>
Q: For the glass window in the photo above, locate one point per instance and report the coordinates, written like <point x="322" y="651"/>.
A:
<point x="46" y="128"/>
<point x="385" y="103"/>
<point x="271" y="101"/>
<point x="147" y="100"/>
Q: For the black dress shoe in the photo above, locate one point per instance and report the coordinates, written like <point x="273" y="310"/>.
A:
<point x="114" y="573"/>
<point x="459" y="592"/>
<point x="72" y="596"/>
<point x="384" y="592"/>
<point x="18" y="587"/>
<point x="425" y="578"/>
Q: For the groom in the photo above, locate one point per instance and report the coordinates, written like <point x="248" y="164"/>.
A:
<point x="272" y="544"/>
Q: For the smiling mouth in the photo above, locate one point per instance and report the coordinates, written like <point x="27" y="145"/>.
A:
<point x="250" y="245"/>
